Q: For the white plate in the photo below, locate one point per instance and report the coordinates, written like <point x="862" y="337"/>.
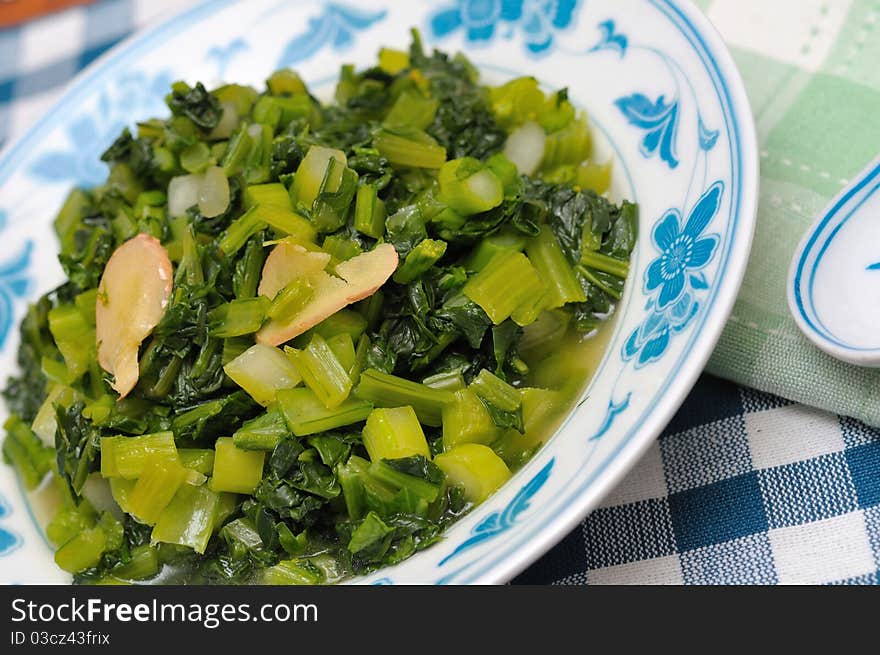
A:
<point x="663" y="94"/>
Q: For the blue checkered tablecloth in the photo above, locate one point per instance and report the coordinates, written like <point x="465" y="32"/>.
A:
<point x="742" y="487"/>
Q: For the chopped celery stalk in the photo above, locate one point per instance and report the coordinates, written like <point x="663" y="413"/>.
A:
<point x="306" y="414"/>
<point x="557" y="275"/>
<point x="369" y="212"/>
<point x="239" y="148"/>
<point x="385" y="390"/>
<point x="572" y="144"/>
<point x="262" y="371"/>
<point x="475" y="468"/>
<point x="544" y="335"/>
<point x="286" y="82"/>
<point x="468" y="187"/>
<point x="506" y="171"/>
<point x="595" y="177"/>
<point x="385" y="472"/>
<point x="267" y="195"/>
<point x="394" y="433"/>
<point x="263" y="432"/>
<point x="197" y="459"/>
<point x="528" y="312"/>
<point x="240" y="231"/>
<point x="74" y="337"/>
<point x="238" y="317"/>
<point x="310" y="176"/>
<point x="286" y="222"/>
<point x="410" y="148"/>
<point x="27" y="454"/>
<point x="85" y="303"/>
<point x="466" y="420"/>
<point x="508" y="281"/>
<point x="496" y="391"/>
<point x="617" y="267"/>
<point x="82" y="552"/>
<point x="196" y="158"/>
<point x="491" y="246"/>
<point x="154" y="489"/>
<point x="517" y="101"/>
<point x="322" y="372"/>
<point x="447" y="381"/>
<point x="393" y="61"/>
<point x="120" y="489"/>
<point x="144" y="564"/>
<point x="342" y="346"/>
<point x="341" y="248"/>
<point x="189" y="519"/>
<point x="69" y="522"/>
<point x="412" y="109"/>
<point x="349" y="475"/>
<point x="291" y="299"/>
<point x="236" y="470"/>
<point x="419" y="260"/>
<point x="128" y="457"/>
<point x="345" y="321"/>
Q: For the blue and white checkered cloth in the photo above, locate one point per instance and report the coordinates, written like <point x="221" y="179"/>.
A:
<point x="742" y="487"/>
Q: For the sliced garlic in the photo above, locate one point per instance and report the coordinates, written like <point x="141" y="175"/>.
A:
<point x="132" y="298"/>
<point x="358" y="278"/>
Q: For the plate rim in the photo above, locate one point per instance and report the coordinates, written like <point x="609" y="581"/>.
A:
<point x="682" y="376"/>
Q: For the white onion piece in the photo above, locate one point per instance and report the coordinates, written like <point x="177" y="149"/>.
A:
<point x="96" y="490"/>
<point x="228" y="122"/>
<point x="525" y="147"/>
<point x="183" y="193"/>
<point x="213" y="192"/>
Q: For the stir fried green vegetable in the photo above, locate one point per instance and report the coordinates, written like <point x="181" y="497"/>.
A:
<point x="297" y="340"/>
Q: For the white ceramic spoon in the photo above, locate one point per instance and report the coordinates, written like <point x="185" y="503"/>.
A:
<point x="834" y="279"/>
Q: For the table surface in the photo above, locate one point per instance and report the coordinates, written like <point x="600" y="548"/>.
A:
<point x="743" y="487"/>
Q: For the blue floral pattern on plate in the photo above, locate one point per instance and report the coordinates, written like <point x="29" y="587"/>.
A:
<point x="135" y="94"/>
<point x="537" y="20"/>
<point x="659" y="119"/>
<point x="9" y="541"/>
<point x="15" y="283"/>
<point x="335" y="27"/>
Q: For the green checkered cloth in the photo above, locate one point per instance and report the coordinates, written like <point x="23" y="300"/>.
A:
<point x="812" y="72"/>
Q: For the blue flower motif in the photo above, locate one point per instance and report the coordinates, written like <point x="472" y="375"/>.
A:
<point x="611" y="39"/>
<point x="9" y="541"/>
<point x="501" y="521"/>
<point x="134" y="94"/>
<point x="538" y="20"/>
<point x="649" y="341"/>
<point x="658" y="119"/>
<point x="15" y="282"/>
<point x="674" y="278"/>
<point x="335" y="27"/>
<point x="223" y="55"/>
<point x="682" y="249"/>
